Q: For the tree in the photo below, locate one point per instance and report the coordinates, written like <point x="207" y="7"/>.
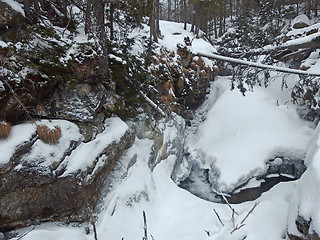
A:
<point x="154" y="21"/>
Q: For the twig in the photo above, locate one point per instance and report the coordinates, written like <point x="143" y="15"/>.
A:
<point x="145" y="228"/>
<point x="23" y="235"/>
<point x="94" y="227"/>
<point x="251" y="210"/>
<point x="218" y="217"/>
<point x="226" y="200"/>
<point x="237" y="227"/>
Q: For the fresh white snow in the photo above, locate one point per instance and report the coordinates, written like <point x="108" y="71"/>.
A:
<point x="238" y="134"/>
<point x="86" y="153"/>
<point x="241" y="133"/>
<point x="19" y="134"/>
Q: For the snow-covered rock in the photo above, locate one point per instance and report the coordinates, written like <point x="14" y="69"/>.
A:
<point x="45" y="182"/>
<point x="300" y="21"/>
<point x="11" y="14"/>
<point x="304" y="210"/>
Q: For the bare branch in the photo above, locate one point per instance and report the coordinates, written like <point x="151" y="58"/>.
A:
<point x="94" y="227"/>
<point x="145" y="228"/>
<point x="251" y="210"/>
<point x="226" y="201"/>
<point x="237" y="227"/>
<point x="218" y="217"/>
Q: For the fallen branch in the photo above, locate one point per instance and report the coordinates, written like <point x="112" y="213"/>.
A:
<point x="237" y="227"/>
<point x="23" y="235"/>
<point x="218" y="217"/>
<point x="94" y="227"/>
<point x="145" y="228"/>
<point x="258" y="65"/>
<point x="227" y="202"/>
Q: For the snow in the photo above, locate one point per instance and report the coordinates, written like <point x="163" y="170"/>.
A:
<point x="19" y="134"/>
<point x="173" y="34"/>
<point x="47" y="154"/>
<point x="86" y="153"/>
<point x="241" y="133"/>
<point x="14" y="5"/>
<point x="172" y="213"/>
<point x="3" y="44"/>
<point x="237" y="135"/>
<point x="264" y="66"/>
<point x="305" y="200"/>
<point x="301" y="18"/>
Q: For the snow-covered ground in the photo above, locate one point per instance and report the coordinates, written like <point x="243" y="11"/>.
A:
<point x="175" y="214"/>
<point x="238" y="135"/>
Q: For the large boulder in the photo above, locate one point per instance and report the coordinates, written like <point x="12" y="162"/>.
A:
<point x="56" y="182"/>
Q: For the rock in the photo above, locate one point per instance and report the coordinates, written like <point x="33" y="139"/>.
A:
<point x="34" y="190"/>
<point x="79" y="103"/>
<point x="10" y="16"/>
<point x="36" y="88"/>
<point x="299" y="25"/>
<point x="301" y="21"/>
<point x="303" y="219"/>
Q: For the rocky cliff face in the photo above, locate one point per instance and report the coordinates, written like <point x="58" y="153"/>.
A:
<point x="48" y="79"/>
<point x="43" y="182"/>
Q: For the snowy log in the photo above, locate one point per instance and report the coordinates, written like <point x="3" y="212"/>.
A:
<point x="258" y="65"/>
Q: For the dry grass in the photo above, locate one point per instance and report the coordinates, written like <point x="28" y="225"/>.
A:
<point x="5" y="128"/>
<point x="48" y="135"/>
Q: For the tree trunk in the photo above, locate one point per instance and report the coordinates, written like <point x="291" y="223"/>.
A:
<point x="220" y="25"/>
<point x="308" y="9"/>
<point x="169" y="10"/>
<point x="111" y="19"/>
<point x="27" y="8"/>
<point x="157" y="19"/>
<point x="193" y="21"/>
<point x="88" y="23"/>
<point x="185" y="14"/>
<point x="100" y="15"/>
<point x="215" y="25"/>
<point x="231" y="11"/>
<point x="152" y="24"/>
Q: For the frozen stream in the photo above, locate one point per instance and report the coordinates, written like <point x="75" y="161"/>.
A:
<point x="231" y="138"/>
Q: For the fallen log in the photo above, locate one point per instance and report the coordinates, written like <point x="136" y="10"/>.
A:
<point x="258" y="65"/>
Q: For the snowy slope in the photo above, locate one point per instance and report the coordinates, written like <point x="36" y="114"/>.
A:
<point x="238" y="134"/>
<point x="241" y="133"/>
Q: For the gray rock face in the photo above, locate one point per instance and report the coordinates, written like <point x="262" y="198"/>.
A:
<point x="9" y="17"/>
<point x="81" y="104"/>
<point x="31" y="192"/>
<point x="304" y="227"/>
